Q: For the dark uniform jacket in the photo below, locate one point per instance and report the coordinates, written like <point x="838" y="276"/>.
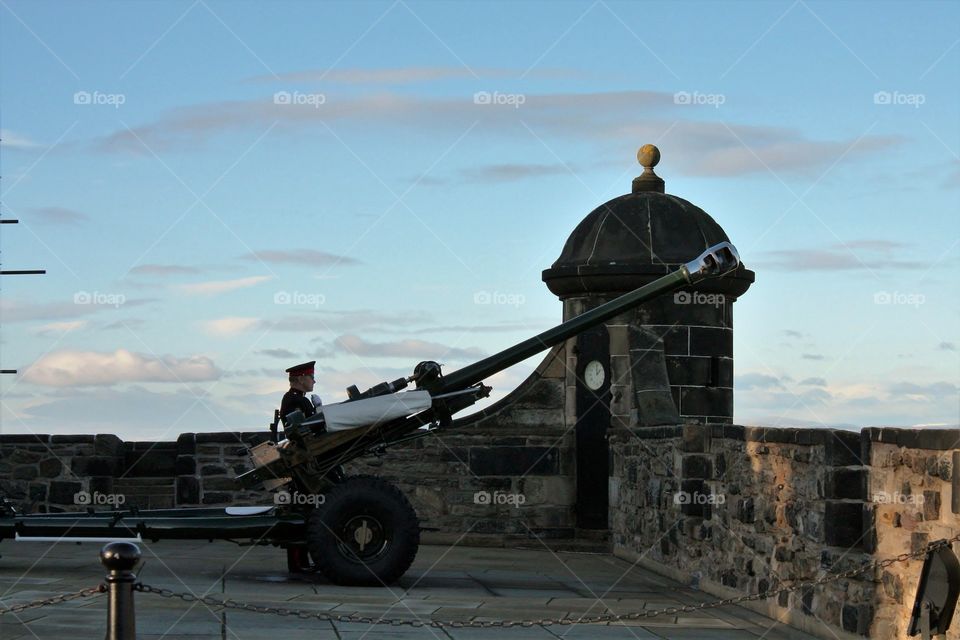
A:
<point x="293" y="400"/>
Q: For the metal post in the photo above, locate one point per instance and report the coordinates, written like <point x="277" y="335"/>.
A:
<point x="120" y="558"/>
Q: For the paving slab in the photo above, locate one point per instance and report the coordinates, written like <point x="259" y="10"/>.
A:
<point x="460" y="583"/>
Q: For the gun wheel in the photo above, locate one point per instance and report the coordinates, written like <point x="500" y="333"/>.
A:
<point x="365" y="533"/>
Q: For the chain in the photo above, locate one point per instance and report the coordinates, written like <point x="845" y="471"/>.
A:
<point x="67" y="597"/>
<point x="544" y="622"/>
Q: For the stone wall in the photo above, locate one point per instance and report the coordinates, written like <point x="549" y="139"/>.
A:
<point x="741" y="510"/>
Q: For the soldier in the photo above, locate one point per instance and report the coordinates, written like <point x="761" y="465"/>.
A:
<point x="301" y="383"/>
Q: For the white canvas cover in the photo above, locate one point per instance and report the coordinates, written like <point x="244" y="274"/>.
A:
<point x="371" y="411"/>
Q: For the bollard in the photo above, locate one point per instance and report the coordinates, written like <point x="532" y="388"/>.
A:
<point x="119" y="558"/>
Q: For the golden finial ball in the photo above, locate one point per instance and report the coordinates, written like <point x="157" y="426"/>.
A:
<point x="648" y="156"/>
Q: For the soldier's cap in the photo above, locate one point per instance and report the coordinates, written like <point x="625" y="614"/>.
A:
<point x="305" y="369"/>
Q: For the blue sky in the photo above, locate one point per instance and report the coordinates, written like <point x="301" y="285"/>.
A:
<point x="221" y="190"/>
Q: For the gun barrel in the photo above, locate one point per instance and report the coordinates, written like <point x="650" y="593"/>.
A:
<point x="715" y="261"/>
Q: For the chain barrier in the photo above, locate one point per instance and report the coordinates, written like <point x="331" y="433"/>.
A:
<point x="545" y="622"/>
<point x="67" y="597"/>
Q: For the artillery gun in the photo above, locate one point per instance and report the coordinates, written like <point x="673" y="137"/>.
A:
<point x="358" y="530"/>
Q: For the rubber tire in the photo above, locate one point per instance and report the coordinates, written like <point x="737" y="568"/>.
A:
<point x="358" y="496"/>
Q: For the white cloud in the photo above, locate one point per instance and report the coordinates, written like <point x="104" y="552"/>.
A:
<point x="221" y="286"/>
<point x="134" y="413"/>
<point x="164" y="269"/>
<point x="301" y="256"/>
<point x="698" y="147"/>
<point x="69" y="368"/>
<point x="418" y="349"/>
<point x="59" y="215"/>
<point x="230" y="326"/>
<point x="60" y="327"/>
<point x="758" y="381"/>
<point x="24" y="311"/>
<point x="13" y="140"/>
<point x="409" y="75"/>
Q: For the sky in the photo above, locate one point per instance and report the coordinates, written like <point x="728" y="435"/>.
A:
<point x="220" y="190"/>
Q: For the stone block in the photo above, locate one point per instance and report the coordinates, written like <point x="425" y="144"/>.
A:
<point x="23" y="456"/>
<point x="220" y="437"/>
<point x="25" y="472"/>
<point x="711" y="341"/>
<point x="94" y="466"/>
<point x="506" y="461"/>
<point x="931" y="505"/>
<point x="213" y="470"/>
<point x="32" y="438"/>
<point x="72" y="440"/>
<point x="62" y="492"/>
<point x="188" y="490"/>
<point x="37" y="492"/>
<point x="108" y="445"/>
<point x="697" y="466"/>
<point x="219" y="484"/>
<point x="676" y="339"/>
<point x="847" y="483"/>
<point x="843" y="524"/>
<point x="217" y="498"/>
<point x="101" y="484"/>
<point x="857" y="618"/>
<point x="842" y="449"/>
<point x="50" y="467"/>
<point x="706" y="401"/>
<point x="746" y="511"/>
<point x="185" y="465"/>
<point x="150" y="463"/>
<point x="696" y="438"/>
<point x="187" y="444"/>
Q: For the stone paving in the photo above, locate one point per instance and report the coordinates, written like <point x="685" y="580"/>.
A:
<point x="451" y="583"/>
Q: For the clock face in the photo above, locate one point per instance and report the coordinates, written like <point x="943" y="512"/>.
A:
<point x="594" y="375"/>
